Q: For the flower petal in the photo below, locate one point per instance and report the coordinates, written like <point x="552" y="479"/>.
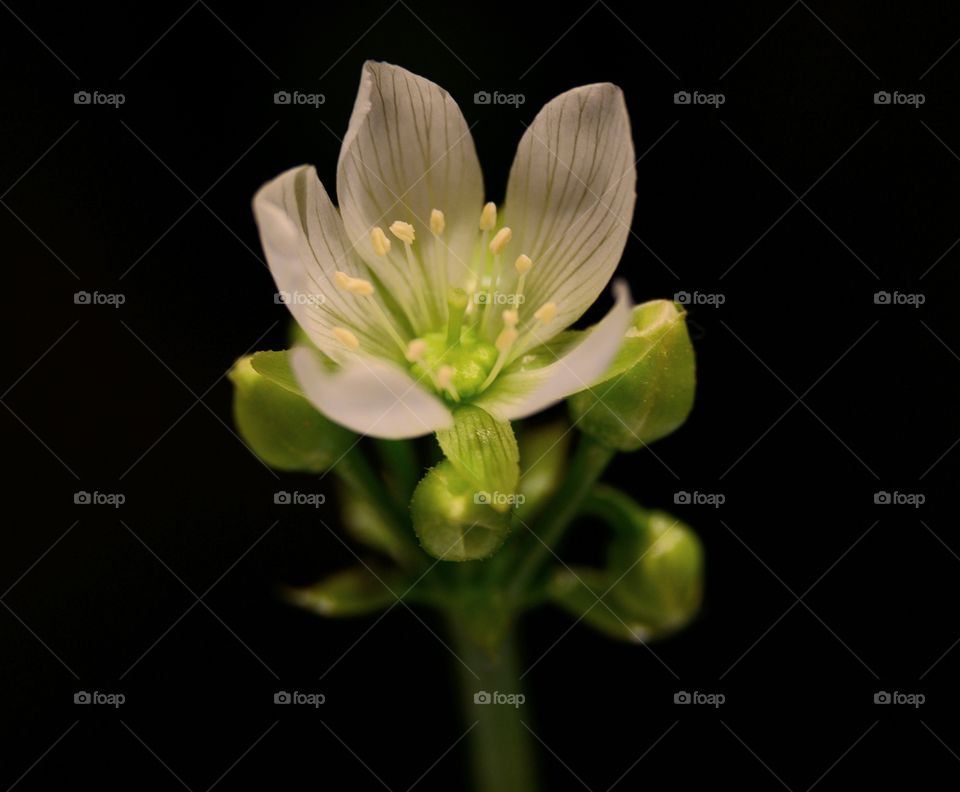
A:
<point x="407" y="151"/>
<point x="370" y="396"/>
<point x="305" y="244"/>
<point x="570" y="198"/>
<point x="528" y="387"/>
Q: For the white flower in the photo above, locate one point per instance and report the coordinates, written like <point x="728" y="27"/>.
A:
<point x="425" y="297"/>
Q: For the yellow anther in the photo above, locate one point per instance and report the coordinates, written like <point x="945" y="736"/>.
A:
<point x="506" y="338"/>
<point x="403" y="231"/>
<point x="437" y="222"/>
<point x="345" y="337"/>
<point x="415" y="350"/>
<point x="510" y="317"/>
<point x="500" y="241"/>
<point x="546" y="313"/>
<point x="488" y="217"/>
<point x="381" y="244"/>
<point x="445" y="381"/>
<point x="358" y="286"/>
<point x="523" y="264"/>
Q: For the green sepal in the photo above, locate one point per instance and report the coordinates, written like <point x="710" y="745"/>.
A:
<point x="484" y="452"/>
<point x="648" y="390"/>
<point x="451" y="519"/>
<point x="578" y="590"/>
<point x="351" y="592"/>
<point x="277" y="422"/>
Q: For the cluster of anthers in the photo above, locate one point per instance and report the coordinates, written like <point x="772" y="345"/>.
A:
<point x="464" y="358"/>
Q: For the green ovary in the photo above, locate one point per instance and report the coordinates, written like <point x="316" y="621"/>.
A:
<point x="471" y="358"/>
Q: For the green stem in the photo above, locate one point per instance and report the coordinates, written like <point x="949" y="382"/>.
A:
<point x="587" y="465"/>
<point x="501" y="748"/>
<point x="354" y="469"/>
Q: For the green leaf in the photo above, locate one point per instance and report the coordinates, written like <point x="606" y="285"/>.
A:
<point x="483" y="451"/>
<point x="648" y="390"/>
<point x="352" y="592"/>
<point x="451" y="518"/>
<point x="277" y="422"/>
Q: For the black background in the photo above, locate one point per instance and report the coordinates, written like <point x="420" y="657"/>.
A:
<point x="811" y="396"/>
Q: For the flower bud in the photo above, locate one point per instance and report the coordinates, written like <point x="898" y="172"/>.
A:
<point x="543" y="460"/>
<point x="662" y="573"/>
<point x="648" y="390"/>
<point x="452" y="519"/>
<point x="350" y="592"/>
<point x="277" y="422"/>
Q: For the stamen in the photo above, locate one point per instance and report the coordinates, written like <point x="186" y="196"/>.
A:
<point x="488" y="217"/>
<point x="546" y="313"/>
<point x="506" y="338"/>
<point x="500" y="241"/>
<point x="358" y="286"/>
<point x="379" y="240"/>
<point x="445" y="381"/>
<point x="504" y="341"/>
<point x="523" y="264"/>
<point x="403" y="231"/>
<point x="437" y="222"/>
<point x="345" y="337"/>
<point x="415" y="350"/>
<point x="510" y="317"/>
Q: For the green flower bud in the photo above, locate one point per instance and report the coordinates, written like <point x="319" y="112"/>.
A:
<point x="543" y="460"/>
<point x="452" y="519"/>
<point x="277" y="422"/>
<point x="662" y="573"/>
<point x="648" y="390"/>
<point x="652" y="584"/>
<point x="352" y="592"/>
